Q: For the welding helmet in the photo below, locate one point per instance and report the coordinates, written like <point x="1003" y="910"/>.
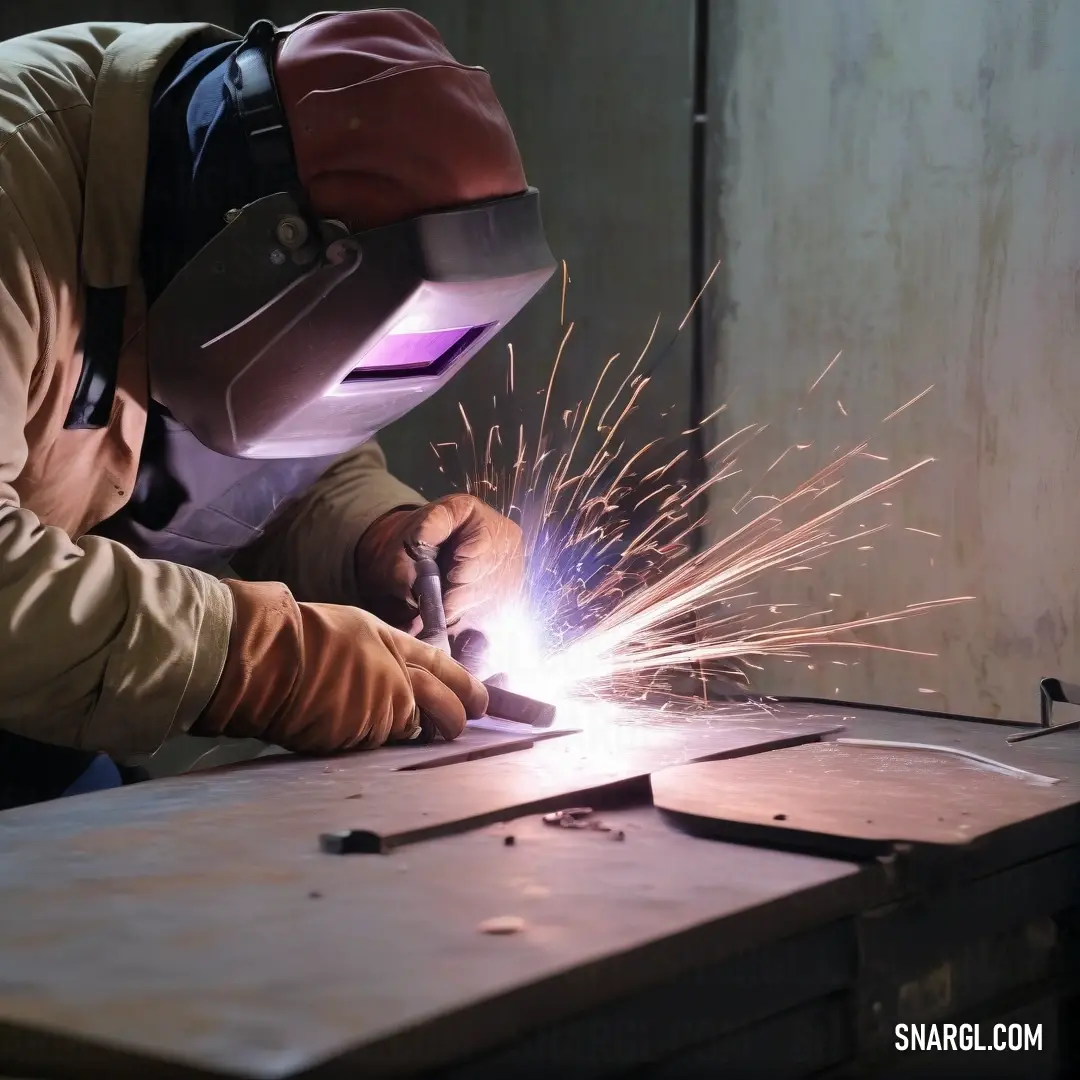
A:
<point x="394" y="237"/>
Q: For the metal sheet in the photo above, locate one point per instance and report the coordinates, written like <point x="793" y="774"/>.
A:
<point x="194" y="921"/>
<point x="864" y="797"/>
<point x="405" y="810"/>
<point x="704" y="1008"/>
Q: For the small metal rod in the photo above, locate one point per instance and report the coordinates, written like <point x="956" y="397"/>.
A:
<point x="1051" y="692"/>
<point x="1023" y="736"/>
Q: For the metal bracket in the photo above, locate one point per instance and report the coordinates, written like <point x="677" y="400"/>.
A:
<point x="1051" y="692"/>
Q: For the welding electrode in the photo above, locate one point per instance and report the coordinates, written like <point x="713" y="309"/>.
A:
<point x="506" y="705"/>
<point x="470" y="650"/>
<point x="427" y="591"/>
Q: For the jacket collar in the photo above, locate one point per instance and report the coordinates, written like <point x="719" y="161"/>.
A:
<point x="119" y="140"/>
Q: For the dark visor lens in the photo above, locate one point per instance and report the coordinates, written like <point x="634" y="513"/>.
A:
<point x="416" y="353"/>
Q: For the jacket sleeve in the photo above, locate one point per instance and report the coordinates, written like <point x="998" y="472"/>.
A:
<point x="311" y="544"/>
<point x="99" y="650"/>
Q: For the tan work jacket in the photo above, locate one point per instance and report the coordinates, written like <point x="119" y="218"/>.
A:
<point x="100" y="649"/>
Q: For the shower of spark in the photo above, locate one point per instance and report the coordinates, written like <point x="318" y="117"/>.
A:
<point x="617" y="604"/>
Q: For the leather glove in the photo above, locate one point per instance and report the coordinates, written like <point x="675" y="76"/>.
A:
<point x="323" y="678"/>
<point x="481" y="557"/>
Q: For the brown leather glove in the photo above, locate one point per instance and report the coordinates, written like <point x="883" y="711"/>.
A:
<point x="319" y="678"/>
<point x="481" y="556"/>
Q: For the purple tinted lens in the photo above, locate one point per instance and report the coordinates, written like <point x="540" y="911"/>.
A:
<point x="411" y="352"/>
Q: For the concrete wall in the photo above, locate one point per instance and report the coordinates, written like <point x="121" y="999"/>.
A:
<point x="898" y="179"/>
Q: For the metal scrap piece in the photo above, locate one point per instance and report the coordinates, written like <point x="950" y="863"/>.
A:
<point x="576" y="817"/>
<point x="502" y="925"/>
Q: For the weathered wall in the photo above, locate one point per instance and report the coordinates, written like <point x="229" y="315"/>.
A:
<point x="898" y="179"/>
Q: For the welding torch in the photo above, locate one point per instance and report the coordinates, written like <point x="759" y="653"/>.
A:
<point x="470" y="649"/>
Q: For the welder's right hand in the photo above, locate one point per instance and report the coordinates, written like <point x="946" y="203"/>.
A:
<point x="323" y="678"/>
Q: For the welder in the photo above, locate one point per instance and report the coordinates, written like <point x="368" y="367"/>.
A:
<point x="225" y="264"/>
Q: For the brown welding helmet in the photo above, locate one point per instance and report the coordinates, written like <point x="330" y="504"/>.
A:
<point x="397" y="236"/>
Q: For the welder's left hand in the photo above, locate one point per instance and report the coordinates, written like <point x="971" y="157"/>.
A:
<point x="481" y="557"/>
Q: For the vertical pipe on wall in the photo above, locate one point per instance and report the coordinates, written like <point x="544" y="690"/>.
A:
<point x="699" y="226"/>
<point x="716" y="148"/>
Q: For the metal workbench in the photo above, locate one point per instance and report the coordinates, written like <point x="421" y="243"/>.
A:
<point x="193" y="927"/>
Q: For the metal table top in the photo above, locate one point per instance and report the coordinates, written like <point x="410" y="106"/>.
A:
<point x="193" y="927"/>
